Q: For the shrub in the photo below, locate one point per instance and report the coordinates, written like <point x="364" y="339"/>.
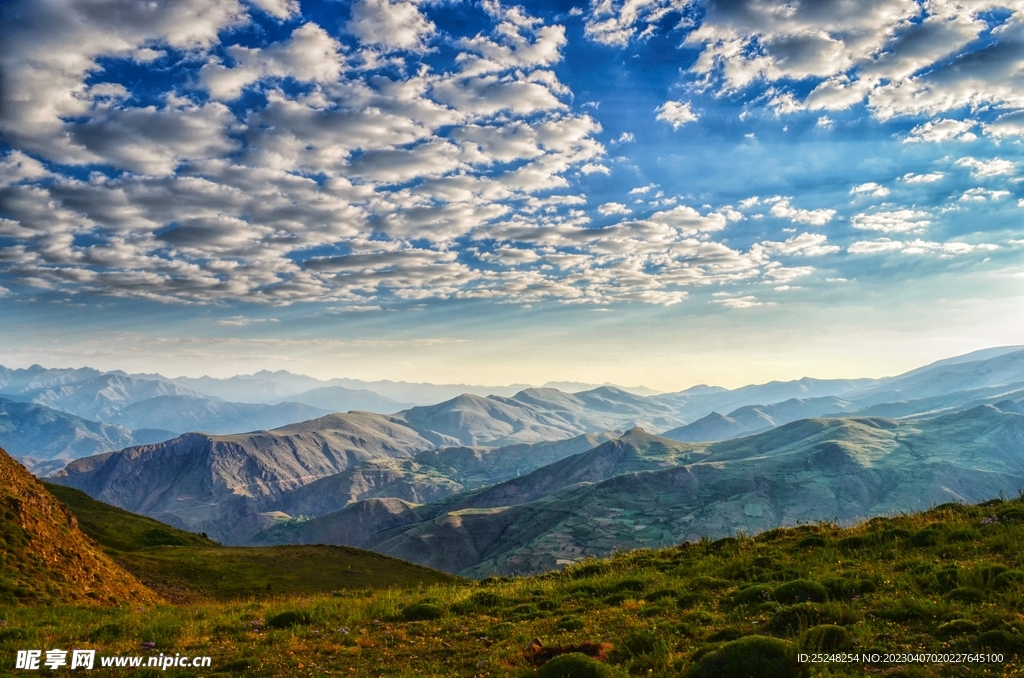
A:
<point x="422" y="612"/>
<point x="748" y="657"/>
<point x="801" y="591"/>
<point x="574" y="665"/>
<point x="570" y="624"/>
<point x="795" y="618"/>
<point x="1008" y="579"/>
<point x="823" y="638"/>
<point x="963" y="534"/>
<point x="641" y="643"/>
<point x="1000" y="640"/>
<point x="989" y="573"/>
<point x="725" y="635"/>
<point x="288" y="619"/>
<point x="852" y="543"/>
<point x="926" y="537"/>
<point x="811" y="541"/>
<point x="753" y="595"/>
<point x="659" y="594"/>
<point x="629" y="585"/>
<point x="842" y="587"/>
<point x="957" y="627"/>
<point x="966" y="594"/>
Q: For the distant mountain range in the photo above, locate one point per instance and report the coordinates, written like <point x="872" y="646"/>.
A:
<point x="518" y="467"/>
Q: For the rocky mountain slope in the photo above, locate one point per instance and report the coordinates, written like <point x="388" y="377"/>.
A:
<point x="220" y="484"/>
<point x="757" y="418"/>
<point x="809" y="470"/>
<point x="45" y="558"/>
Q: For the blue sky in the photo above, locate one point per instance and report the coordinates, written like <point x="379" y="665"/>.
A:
<point x="652" y="191"/>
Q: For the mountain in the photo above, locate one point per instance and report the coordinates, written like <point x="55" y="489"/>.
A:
<point x="45" y="439"/>
<point x="341" y="399"/>
<point x="808" y="470"/>
<point x="537" y="414"/>
<point x="45" y="558"/>
<point x="101" y="397"/>
<point x="220" y="484"/>
<point x="756" y="418"/>
<point x="429" y="476"/>
<point x="181" y="413"/>
<point x="577" y="386"/>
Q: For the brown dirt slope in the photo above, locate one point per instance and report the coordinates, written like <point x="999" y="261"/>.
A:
<point x="45" y="558"/>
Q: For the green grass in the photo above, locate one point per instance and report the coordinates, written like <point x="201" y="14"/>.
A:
<point x="188" y="568"/>
<point x="947" y="580"/>
<point x="115" y="529"/>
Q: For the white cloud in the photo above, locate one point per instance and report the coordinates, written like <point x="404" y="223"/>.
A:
<point x="943" y="129"/>
<point x="391" y="24"/>
<point x="782" y="209"/>
<point x="805" y="244"/>
<point x="640" y="190"/>
<point x="626" y="138"/>
<point x="982" y="195"/>
<point x="309" y="55"/>
<point x="594" y="168"/>
<point x="824" y="122"/>
<point x="918" y="247"/>
<point x="930" y="178"/>
<point x="676" y="113"/>
<point x="747" y="203"/>
<point x="748" y="301"/>
<point x="610" y="208"/>
<point x="894" y="221"/>
<point x="981" y="169"/>
<point x="281" y="9"/>
<point x="617" y="22"/>
<point x="870" y="188"/>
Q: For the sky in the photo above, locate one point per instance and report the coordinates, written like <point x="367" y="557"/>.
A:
<point x="657" y="192"/>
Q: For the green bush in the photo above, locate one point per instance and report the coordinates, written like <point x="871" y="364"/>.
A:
<point x="641" y="643"/>
<point x="957" y="627"/>
<point x="1008" y="579"/>
<point x="570" y="623"/>
<point x="1000" y="640"/>
<point x="753" y="595"/>
<point x="629" y="585"/>
<point x="750" y="657"/>
<point x="795" y="618"/>
<point x="966" y="594"/>
<point x="823" y="638"/>
<point x="801" y="591"/>
<point x="574" y="665"/>
<point x="811" y="541"/>
<point x="926" y="537"/>
<point x="841" y="588"/>
<point x="422" y="612"/>
<point x="287" y="619"/>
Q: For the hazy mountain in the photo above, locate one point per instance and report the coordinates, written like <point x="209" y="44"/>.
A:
<point x="101" y="397"/>
<point x="219" y="484"/>
<point x="537" y="414"/>
<point x="44" y="439"/>
<point x="577" y="386"/>
<point x="341" y="399"/>
<point x="181" y="413"/>
<point x="23" y="380"/>
<point x="756" y="418"/>
<point x="45" y="558"/>
<point x="429" y="476"/>
<point x="701" y="401"/>
<point x="808" y="470"/>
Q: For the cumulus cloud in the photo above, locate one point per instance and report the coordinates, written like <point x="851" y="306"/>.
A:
<point x="390" y="24"/>
<point x="870" y="188"/>
<point x="309" y="55"/>
<point x="943" y="129"/>
<point x="676" y="113"/>
<point x="982" y="195"/>
<point x="981" y="169"/>
<point x="782" y="208"/>
<point x="617" y="22"/>
<point x="748" y="301"/>
<point x="893" y="221"/>
<point x="918" y="247"/>
<point x="610" y="208"/>
<point x="929" y="178"/>
<point x="805" y="244"/>
<point x="280" y="9"/>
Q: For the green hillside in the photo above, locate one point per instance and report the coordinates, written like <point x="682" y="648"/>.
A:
<point x="186" y="567"/>
<point x="946" y="581"/>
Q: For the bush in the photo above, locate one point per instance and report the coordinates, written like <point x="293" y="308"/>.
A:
<point x="574" y="665"/>
<point x="1008" y="579"/>
<point x="570" y="624"/>
<point x="926" y="537"/>
<point x="957" y="627"/>
<point x="753" y="595"/>
<point x="801" y="591"/>
<point x="629" y="585"/>
<point x="795" y="618"/>
<point x="823" y="638"/>
<point x="852" y="543"/>
<point x="288" y="619"/>
<point x="659" y="594"/>
<point x="1002" y="641"/>
<point x="844" y="588"/>
<point x="422" y="612"/>
<point x="966" y="594"/>
<point x="639" y="644"/>
<point x="750" y="657"/>
<point x="811" y="541"/>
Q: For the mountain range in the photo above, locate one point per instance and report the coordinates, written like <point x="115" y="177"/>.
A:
<point x="543" y="477"/>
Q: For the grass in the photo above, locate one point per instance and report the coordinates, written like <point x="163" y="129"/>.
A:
<point x="187" y="568"/>
<point x="947" y="580"/>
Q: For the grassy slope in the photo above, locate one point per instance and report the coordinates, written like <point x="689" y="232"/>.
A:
<point x="186" y="567"/>
<point x="947" y="580"/>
